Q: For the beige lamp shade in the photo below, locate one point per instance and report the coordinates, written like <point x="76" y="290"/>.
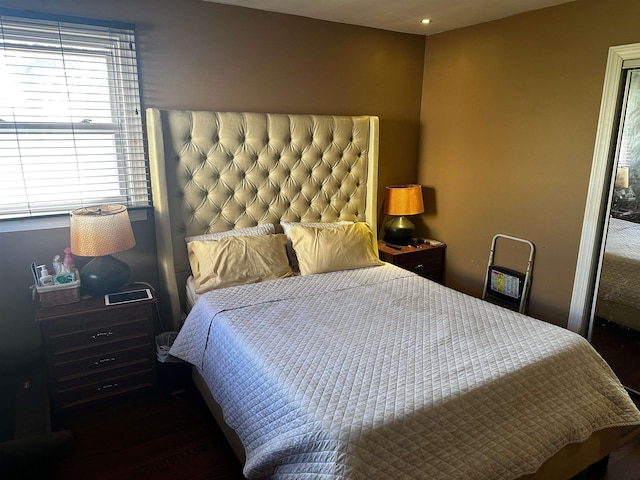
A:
<point x="404" y="200"/>
<point x="101" y="230"/>
<point x="622" y="177"/>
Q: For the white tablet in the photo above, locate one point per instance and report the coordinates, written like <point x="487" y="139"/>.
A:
<point x="128" y="296"/>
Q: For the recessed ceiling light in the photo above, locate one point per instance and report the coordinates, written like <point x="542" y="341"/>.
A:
<point x="425" y="20"/>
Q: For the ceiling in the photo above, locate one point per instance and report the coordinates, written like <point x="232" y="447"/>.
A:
<point x="400" y="15"/>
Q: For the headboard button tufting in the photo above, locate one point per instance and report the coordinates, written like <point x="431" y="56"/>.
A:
<point x="226" y="169"/>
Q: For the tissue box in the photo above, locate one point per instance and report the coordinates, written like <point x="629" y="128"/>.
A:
<point x="51" y="295"/>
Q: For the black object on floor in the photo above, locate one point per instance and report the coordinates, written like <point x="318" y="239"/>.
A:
<point x="27" y="444"/>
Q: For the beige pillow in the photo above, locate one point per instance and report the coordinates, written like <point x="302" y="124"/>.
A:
<point x="343" y="247"/>
<point x="238" y="261"/>
<point x="287" y="226"/>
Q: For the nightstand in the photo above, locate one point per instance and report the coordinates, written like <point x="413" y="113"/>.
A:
<point x="96" y="352"/>
<point x="426" y="260"/>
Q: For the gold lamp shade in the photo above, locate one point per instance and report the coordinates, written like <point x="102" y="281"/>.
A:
<point x="402" y="200"/>
<point x="99" y="231"/>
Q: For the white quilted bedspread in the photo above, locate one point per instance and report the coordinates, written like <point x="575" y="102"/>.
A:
<point x="379" y="374"/>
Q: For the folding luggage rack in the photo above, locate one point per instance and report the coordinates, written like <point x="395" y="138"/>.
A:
<point x="504" y="286"/>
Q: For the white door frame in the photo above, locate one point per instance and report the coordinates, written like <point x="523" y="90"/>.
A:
<point x="587" y="275"/>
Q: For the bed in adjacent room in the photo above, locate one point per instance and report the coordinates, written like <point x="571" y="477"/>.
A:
<point x="619" y="291"/>
<point x="317" y="359"/>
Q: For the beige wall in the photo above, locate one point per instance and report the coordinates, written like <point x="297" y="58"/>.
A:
<point x="199" y="55"/>
<point x="509" y="116"/>
<point x="503" y="119"/>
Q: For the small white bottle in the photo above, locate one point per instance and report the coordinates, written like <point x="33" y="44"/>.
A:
<point x="45" y="278"/>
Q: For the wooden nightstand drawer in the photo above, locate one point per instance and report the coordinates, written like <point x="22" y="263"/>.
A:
<point x="425" y="260"/>
<point x="430" y="257"/>
<point x="100" y="350"/>
<point x="83" y="338"/>
<point x="103" y="361"/>
<point x="95" y="320"/>
<point x="83" y="379"/>
<point x="428" y="267"/>
<point x="100" y="390"/>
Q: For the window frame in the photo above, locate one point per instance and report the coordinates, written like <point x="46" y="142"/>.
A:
<point x="129" y="155"/>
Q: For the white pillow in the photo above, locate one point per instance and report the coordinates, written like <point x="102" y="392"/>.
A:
<point x="263" y="229"/>
<point x="287" y="226"/>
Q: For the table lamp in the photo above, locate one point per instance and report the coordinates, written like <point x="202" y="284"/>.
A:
<point x="99" y="231"/>
<point x="622" y="177"/>
<point x="402" y="200"/>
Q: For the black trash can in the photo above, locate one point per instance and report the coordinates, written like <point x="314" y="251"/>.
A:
<point x="174" y="374"/>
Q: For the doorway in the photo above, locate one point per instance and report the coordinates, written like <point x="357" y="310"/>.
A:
<point x="597" y="206"/>
<point x="600" y="198"/>
<point x="615" y="325"/>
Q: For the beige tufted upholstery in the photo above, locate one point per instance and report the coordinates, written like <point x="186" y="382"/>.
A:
<point x="214" y="171"/>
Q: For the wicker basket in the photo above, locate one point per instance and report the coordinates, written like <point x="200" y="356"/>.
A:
<point x="51" y="295"/>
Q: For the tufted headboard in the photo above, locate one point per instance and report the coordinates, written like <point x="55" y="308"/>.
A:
<point x="214" y="171"/>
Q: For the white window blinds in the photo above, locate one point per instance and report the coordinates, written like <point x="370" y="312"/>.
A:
<point x="70" y="116"/>
<point x="629" y="152"/>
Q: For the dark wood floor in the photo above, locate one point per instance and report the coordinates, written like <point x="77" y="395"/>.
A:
<point x="173" y="438"/>
<point x="158" y="436"/>
<point x="620" y="347"/>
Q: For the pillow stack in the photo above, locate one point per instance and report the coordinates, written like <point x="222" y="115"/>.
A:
<point x="256" y="254"/>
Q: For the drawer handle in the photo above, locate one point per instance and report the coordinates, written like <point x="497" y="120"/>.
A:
<point x="101" y="334"/>
<point x="418" y="266"/>
<point x="107" y="387"/>
<point x="105" y="360"/>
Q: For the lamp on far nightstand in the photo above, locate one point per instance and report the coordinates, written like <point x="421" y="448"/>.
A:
<point x="402" y="200"/>
<point x="100" y="231"/>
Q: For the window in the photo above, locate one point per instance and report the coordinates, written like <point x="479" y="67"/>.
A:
<point x="629" y="153"/>
<point x="70" y="116"/>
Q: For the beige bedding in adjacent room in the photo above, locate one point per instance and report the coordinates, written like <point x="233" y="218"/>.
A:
<point x="619" y="291"/>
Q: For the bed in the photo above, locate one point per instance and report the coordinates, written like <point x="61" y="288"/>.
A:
<point x="363" y="372"/>
<point x="619" y="291"/>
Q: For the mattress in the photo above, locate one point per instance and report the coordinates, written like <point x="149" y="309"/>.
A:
<point x="377" y="373"/>
<point x="620" y="276"/>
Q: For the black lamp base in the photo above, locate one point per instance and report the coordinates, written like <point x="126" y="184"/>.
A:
<point x="399" y="231"/>
<point x="104" y="275"/>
